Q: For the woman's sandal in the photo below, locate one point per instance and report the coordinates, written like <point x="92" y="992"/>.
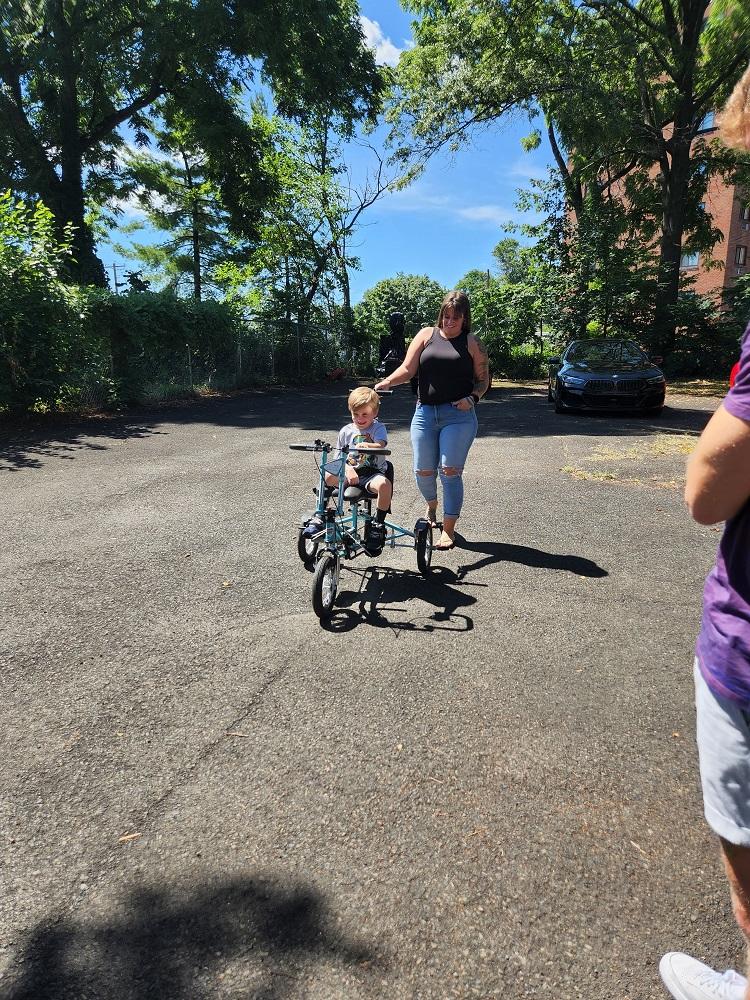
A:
<point x="431" y="517"/>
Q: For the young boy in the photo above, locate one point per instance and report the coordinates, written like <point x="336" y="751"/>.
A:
<point x="365" y="431"/>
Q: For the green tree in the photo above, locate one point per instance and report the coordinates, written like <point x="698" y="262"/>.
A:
<point x="622" y="88"/>
<point x="37" y="311"/>
<point x="180" y="202"/>
<point x="416" y="296"/>
<point x="302" y="260"/>
<point x="73" y="73"/>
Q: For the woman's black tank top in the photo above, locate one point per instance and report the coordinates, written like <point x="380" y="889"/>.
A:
<point x="446" y="369"/>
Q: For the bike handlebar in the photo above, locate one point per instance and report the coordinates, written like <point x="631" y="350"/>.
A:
<point x="320" y="446"/>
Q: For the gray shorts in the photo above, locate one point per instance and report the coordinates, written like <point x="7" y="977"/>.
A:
<point x="723" y="734"/>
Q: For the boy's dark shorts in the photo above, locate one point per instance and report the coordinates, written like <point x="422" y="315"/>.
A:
<point x="368" y="474"/>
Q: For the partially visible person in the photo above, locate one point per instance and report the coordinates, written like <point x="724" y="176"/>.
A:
<point x="370" y="472"/>
<point x="718" y="489"/>
<point x="451" y="367"/>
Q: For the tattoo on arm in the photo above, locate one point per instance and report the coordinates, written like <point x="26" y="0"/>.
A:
<point x="481" y="369"/>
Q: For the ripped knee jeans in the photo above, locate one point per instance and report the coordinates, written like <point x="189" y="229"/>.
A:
<point x="441" y="437"/>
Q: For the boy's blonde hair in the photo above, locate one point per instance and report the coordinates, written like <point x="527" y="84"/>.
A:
<point x="363" y="396"/>
<point x="734" y="120"/>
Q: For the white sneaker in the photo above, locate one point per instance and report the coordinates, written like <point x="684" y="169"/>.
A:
<point x="688" y="979"/>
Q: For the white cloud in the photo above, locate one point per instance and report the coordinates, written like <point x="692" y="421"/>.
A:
<point x="385" y="51"/>
<point x="527" y="170"/>
<point x="131" y="209"/>
<point x="417" y="199"/>
<point x="495" y="214"/>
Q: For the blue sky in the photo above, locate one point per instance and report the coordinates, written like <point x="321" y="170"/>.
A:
<point x="449" y="220"/>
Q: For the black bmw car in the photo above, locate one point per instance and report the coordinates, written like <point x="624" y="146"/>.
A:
<point x="607" y="373"/>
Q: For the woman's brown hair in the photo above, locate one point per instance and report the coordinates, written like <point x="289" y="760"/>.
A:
<point x="458" y="302"/>
<point x="734" y="120"/>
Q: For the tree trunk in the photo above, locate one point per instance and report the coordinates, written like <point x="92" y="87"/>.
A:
<point x="197" y="291"/>
<point x="674" y="180"/>
<point x="68" y="203"/>
<point x="194" y="226"/>
<point x="68" y="206"/>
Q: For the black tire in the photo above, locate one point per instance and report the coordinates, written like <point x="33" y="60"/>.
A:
<point x="423" y="539"/>
<point x="307" y="548"/>
<point x="325" y="584"/>
<point x="554" y="396"/>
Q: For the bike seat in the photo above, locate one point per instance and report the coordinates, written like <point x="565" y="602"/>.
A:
<point x="355" y="493"/>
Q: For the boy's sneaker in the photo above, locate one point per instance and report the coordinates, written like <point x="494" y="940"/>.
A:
<point x="374" y="538"/>
<point x="688" y="979"/>
<point x="313" y="526"/>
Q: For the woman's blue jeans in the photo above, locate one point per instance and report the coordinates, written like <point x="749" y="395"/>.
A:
<point x="440" y="439"/>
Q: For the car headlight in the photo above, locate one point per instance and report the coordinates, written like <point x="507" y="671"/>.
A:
<point x="656" y="380"/>
<point x="573" y="380"/>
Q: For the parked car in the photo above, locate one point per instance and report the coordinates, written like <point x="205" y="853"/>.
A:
<point x="606" y="373"/>
<point x="734" y="373"/>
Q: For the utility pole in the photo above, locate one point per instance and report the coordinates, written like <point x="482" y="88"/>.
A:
<point x="117" y="283"/>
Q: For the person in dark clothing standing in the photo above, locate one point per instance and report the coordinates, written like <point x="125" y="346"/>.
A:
<point x="452" y="370"/>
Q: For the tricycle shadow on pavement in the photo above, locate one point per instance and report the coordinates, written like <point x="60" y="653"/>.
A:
<point x="381" y="601"/>
<point x="174" y="943"/>
<point x="495" y="552"/>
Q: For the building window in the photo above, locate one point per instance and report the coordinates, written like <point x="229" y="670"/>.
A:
<point x="740" y="255"/>
<point x="689" y="260"/>
<point x="708" y="122"/>
<point x="745" y="213"/>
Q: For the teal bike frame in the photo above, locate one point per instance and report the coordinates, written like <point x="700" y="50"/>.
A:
<point x="343" y="530"/>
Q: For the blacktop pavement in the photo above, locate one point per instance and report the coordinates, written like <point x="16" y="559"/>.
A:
<point x="478" y="785"/>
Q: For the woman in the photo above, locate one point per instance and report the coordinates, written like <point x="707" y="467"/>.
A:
<point x="717" y="489"/>
<point x="451" y="366"/>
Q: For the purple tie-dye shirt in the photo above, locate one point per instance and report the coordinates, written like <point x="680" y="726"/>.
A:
<point x="724" y="641"/>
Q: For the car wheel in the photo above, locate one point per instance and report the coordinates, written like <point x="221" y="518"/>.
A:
<point x="559" y="408"/>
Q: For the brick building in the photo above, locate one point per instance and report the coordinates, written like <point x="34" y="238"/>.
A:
<point x="730" y="212"/>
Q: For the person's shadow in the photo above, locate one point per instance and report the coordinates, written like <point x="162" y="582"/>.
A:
<point x="495" y="552"/>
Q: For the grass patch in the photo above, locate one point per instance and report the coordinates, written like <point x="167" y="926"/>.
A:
<point x="711" y="387"/>
<point x="660" y="445"/>
<point x="606" y="476"/>
<point x="649" y="450"/>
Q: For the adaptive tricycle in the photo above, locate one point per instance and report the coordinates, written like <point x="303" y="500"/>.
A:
<point x="344" y="533"/>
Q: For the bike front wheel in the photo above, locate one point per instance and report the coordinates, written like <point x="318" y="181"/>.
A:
<point x="423" y="540"/>
<point x="325" y="584"/>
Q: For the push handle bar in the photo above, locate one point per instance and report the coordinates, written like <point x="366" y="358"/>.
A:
<point x="319" y="446"/>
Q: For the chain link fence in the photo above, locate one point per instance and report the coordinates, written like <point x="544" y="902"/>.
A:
<point x="261" y="352"/>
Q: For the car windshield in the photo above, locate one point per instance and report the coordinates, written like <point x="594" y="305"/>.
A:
<point x="605" y="352"/>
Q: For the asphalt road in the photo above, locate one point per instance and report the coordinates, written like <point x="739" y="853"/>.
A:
<point x="482" y="785"/>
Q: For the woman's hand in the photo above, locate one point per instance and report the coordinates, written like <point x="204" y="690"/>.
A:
<point x="464" y="404"/>
<point x="385" y="385"/>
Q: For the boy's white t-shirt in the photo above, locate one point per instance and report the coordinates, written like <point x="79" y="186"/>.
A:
<point x="350" y="435"/>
